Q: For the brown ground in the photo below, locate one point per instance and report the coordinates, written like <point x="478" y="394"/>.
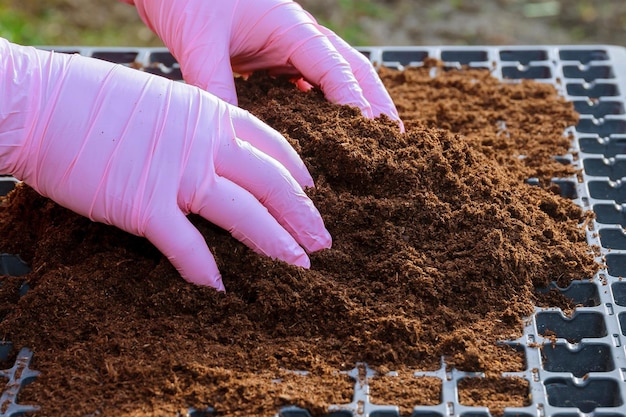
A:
<point x="438" y="246"/>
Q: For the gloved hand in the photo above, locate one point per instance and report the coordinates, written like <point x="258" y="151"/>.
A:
<point x="139" y="152"/>
<point x="211" y="39"/>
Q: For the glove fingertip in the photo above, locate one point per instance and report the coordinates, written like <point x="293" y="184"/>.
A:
<point x="224" y="93"/>
<point x="322" y="241"/>
<point x="302" y="84"/>
<point x="391" y="112"/>
<point x="219" y="285"/>
<point x="401" y="125"/>
<point x="206" y="275"/>
<point x="215" y="280"/>
<point x="348" y="93"/>
<point x="305" y="180"/>
<point x="301" y="259"/>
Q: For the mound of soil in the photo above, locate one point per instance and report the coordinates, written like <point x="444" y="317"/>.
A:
<point x="439" y="246"/>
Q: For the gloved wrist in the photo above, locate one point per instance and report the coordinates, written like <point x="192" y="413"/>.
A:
<point x="24" y="88"/>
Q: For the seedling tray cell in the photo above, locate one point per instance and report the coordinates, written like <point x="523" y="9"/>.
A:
<point x="6" y="184"/>
<point x="576" y="364"/>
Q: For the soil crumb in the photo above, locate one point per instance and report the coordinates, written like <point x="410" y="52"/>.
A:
<point x="439" y="245"/>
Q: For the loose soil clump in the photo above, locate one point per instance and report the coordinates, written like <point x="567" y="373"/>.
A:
<point x="439" y="246"/>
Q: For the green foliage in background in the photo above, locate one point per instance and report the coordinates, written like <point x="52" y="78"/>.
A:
<point x="348" y="26"/>
<point x="18" y="27"/>
<point x="74" y="22"/>
<point x="359" y="22"/>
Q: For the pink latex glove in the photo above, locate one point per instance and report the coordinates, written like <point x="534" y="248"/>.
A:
<point x="139" y="152"/>
<point x="211" y="39"/>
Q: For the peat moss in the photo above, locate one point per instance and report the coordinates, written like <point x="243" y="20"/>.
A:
<point x="439" y="245"/>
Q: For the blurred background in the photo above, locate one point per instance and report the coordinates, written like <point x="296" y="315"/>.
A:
<point x="360" y="22"/>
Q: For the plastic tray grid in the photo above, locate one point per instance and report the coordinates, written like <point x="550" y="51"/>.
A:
<point x="18" y="376"/>
<point x="575" y="366"/>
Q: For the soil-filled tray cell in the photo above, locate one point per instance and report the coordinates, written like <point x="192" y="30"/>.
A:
<point x="607" y="146"/>
<point x="599" y="109"/>
<point x="607" y="190"/>
<point x="592" y="90"/>
<point x="588" y="396"/>
<point x="523" y="56"/>
<point x="405" y="390"/>
<point x="602" y="127"/>
<point x="527" y="72"/>
<point x="583" y="55"/>
<point x="580" y="326"/>
<point x="580" y="293"/>
<point x="588" y="73"/>
<point x="587" y="358"/>
<point x="499" y="392"/>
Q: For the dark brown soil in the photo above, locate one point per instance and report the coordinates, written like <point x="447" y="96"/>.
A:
<point x="439" y="245"/>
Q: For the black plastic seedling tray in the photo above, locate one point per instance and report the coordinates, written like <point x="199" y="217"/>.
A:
<point x="583" y="370"/>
